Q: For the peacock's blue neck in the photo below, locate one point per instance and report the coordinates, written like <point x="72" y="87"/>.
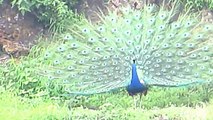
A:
<point x="135" y="80"/>
<point x="135" y="86"/>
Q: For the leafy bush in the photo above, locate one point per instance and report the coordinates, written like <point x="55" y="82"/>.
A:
<point x="199" y="4"/>
<point x="53" y="13"/>
<point x="57" y="14"/>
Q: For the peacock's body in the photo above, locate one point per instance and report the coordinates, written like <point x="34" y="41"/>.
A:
<point x="168" y="51"/>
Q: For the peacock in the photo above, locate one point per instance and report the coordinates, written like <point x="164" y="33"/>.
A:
<point x="132" y="49"/>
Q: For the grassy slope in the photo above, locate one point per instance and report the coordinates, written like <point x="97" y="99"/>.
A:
<point x="117" y="106"/>
<point x="17" y="108"/>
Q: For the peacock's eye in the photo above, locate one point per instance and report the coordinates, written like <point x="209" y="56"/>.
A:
<point x="46" y="55"/>
<point x="61" y="49"/>
<point x="111" y="49"/>
<point x="206" y="58"/>
<point x="185" y="35"/>
<point x="205" y="48"/>
<point x="50" y="77"/>
<point x="169" y="60"/>
<point x="210" y="72"/>
<point x="127" y="21"/>
<point x="106" y="57"/>
<point x="150" y="31"/>
<point x="85" y="30"/>
<point x="118" y="40"/>
<point x="165" y="45"/>
<point x="193" y="55"/>
<point x="68" y="37"/>
<point x="114" y="30"/>
<point x="91" y="40"/>
<point x="81" y="62"/>
<point x="101" y="29"/>
<point x="113" y="20"/>
<point x="105" y="39"/>
<point x="148" y="62"/>
<point x="84" y="52"/>
<point x="70" y="68"/>
<point x="158" y="60"/>
<point x="128" y="32"/>
<point x="94" y="67"/>
<point x="83" y="71"/>
<point x="69" y="56"/>
<point x="171" y="35"/>
<point x="56" y="62"/>
<point x="94" y="58"/>
<point x="58" y="72"/>
<point x="168" y="66"/>
<point x="189" y="23"/>
<point x="137" y="37"/>
<point x="137" y="15"/>
<point x="202" y="67"/>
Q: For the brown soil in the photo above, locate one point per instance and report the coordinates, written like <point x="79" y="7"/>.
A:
<point x="17" y="32"/>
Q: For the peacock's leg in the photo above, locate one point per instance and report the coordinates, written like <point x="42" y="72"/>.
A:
<point x="135" y="102"/>
<point x="141" y="93"/>
<point x="140" y="104"/>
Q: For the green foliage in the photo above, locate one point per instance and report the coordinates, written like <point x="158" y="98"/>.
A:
<point x="46" y="109"/>
<point x="53" y="13"/>
<point x="13" y="107"/>
<point x="157" y="97"/>
<point x="36" y="93"/>
<point x="199" y="4"/>
<point x="20" y="75"/>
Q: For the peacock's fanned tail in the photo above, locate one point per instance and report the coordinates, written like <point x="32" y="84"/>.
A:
<point x="95" y="58"/>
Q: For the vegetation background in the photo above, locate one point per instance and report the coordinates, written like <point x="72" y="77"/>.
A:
<point x="24" y="95"/>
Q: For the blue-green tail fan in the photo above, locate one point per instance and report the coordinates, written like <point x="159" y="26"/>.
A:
<point x="134" y="49"/>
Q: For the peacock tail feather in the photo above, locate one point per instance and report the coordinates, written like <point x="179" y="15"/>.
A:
<point x="96" y="58"/>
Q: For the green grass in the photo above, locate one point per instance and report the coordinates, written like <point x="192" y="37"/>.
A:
<point x="185" y="113"/>
<point x="14" y="107"/>
<point x="24" y="95"/>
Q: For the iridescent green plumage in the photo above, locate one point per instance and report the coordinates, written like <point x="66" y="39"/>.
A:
<point x="95" y="58"/>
